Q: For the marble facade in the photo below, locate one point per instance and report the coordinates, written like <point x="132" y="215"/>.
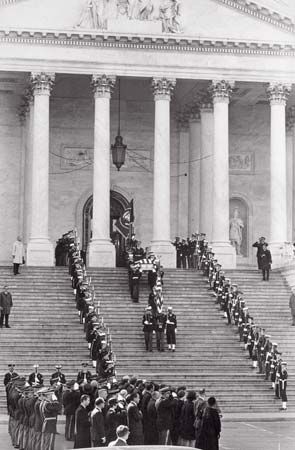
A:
<point x="203" y="119"/>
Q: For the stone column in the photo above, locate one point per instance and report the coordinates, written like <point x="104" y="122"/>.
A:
<point x="290" y="118"/>
<point x="221" y="91"/>
<point x="194" y="171"/>
<point x="182" y="172"/>
<point x="161" y="242"/>
<point x="40" y="249"/>
<point x="101" y="249"/>
<point x="278" y="94"/>
<point x="207" y="149"/>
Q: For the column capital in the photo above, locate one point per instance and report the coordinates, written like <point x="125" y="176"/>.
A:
<point x="205" y="103"/>
<point x="194" y="113"/>
<point x="42" y="83"/>
<point x="103" y="85"/>
<point x="278" y="93"/>
<point x="221" y="90"/>
<point x="290" y="119"/>
<point x="163" y="88"/>
<point x="181" y="118"/>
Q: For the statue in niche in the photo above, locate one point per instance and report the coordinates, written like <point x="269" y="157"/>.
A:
<point x="169" y="15"/>
<point x="93" y="15"/>
<point x="236" y="226"/>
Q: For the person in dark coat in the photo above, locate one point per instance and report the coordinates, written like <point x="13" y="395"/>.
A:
<point x="98" y="435"/>
<point x="10" y="375"/>
<point x="179" y="402"/>
<point x="135" y="421"/>
<point x="187" y="420"/>
<point x="5" y="306"/>
<point x="166" y="409"/>
<point x="122" y="436"/>
<point x="259" y="245"/>
<point x="200" y="406"/>
<point x="71" y="401"/>
<point x="151" y="434"/>
<point x="82" y="419"/>
<point x="211" y="426"/>
<point x="265" y="262"/>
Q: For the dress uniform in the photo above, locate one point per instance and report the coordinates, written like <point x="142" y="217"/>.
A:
<point x="36" y="378"/>
<point x="160" y="326"/>
<point x="148" y="328"/>
<point x="84" y="375"/>
<point x="283" y="385"/>
<point x="171" y="329"/>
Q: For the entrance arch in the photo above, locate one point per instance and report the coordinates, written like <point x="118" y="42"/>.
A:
<point x="118" y="204"/>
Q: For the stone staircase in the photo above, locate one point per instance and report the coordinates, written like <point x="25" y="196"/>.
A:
<point x="208" y="351"/>
<point x="44" y="324"/>
<point x="45" y="329"/>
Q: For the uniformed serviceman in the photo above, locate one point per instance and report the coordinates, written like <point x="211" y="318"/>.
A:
<point x="84" y="375"/>
<point x="10" y="374"/>
<point x="160" y="326"/>
<point x="148" y="328"/>
<point x="177" y="245"/>
<point x="171" y="329"/>
<point x="36" y="378"/>
<point x="283" y="385"/>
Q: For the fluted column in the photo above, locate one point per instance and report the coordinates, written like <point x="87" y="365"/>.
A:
<point x="278" y="94"/>
<point x="40" y="249"/>
<point x="206" y="175"/>
<point x="101" y="250"/>
<point x="221" y="91"/>
<point x="194" y="171"/>
<point x="182" y="172"/>
<point x="161" y="242"/>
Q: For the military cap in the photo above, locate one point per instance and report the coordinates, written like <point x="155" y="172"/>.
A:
<point x="11" y="365"/>
<point x="58" y="366"/>
<point x="169" y="308"/>
<point x="274" y="344"/>
<point x="84" y="364"/>
<point x="268" y="336"/>
<point x="148" y="308"/>
<point x="70" y="384"/>
<point x="283" y="363"/>
<point x="36" y="366"/>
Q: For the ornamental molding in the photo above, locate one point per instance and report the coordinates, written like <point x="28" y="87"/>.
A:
<point x="278" y="93"/>
<point x="42" y="83"/>
<point x="144" y="42"/>
<point x="163" y="88"/>
<point x="260" y="13"/>
<point x="221" y="90"/>
<point x="103" y="85"/>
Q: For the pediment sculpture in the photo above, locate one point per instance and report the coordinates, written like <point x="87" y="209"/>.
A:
<point x="96" y="13"/>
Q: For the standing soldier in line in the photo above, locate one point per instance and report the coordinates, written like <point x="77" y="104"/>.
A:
<point x="148" y="328"/>
<point x="36" y="378"/>
<point x="283" y="386"/>
<point x="171" y="329"/>
<point x="160" y="325"/>
<point x="10" y="375"/>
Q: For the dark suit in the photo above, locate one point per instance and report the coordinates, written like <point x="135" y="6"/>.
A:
<point x="5" y="307"/>
<point x="265" y="263"/>
<point x="135" y="425"/>
<point x="82" y="436"/>
<point x="97" y="430"/>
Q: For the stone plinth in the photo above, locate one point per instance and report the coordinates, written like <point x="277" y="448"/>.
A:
<point x="226" y="254"/>
<point x="101" y="253"/>
<point x="40" y="252"/>
<point x="166" y="252"/>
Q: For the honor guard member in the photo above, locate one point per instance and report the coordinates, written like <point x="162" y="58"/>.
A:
<point x="138" y="252"/>
<point x="10" y="375"/>
<point x="134" y="278"/>
<point x="160" y="325"/>
<point x="58" y="381"/>
<point x="177" y="245"/>
<point x="84" y="376"/>
<point x="171" y="329"/>
<point x="36" y="378"/>
<point x="148" y="328"/>
<point x="283" y="386"/>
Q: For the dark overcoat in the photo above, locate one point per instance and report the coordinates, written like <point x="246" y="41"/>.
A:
<point x="211" y="428"/>
<point x="135" y="425"/>
<point x="5" y="302"/>
<point x="265" y="260"/>
<point x="82" y="435"/>
<point x="187" y="420"/>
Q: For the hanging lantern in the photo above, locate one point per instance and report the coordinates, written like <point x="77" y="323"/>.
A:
<point x="118" y="148"/>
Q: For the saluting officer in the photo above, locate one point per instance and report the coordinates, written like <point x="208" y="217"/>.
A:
<point x="171" y="329"/>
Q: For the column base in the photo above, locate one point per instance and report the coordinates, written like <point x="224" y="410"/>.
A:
<point x="226" y="254"/>
<point x="101" y="253"/>
<point x="166" y="252"/>
<point x="40" y="253"/>
<point x="281" y="253"/>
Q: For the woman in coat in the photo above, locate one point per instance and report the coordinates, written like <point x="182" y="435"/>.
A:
<point x="211" y="426"/>
<point x="187" y="420"/>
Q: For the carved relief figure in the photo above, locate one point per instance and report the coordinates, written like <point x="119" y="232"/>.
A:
<point x="236" y="226"/>
<point x="169" y="15"/>
<point x="93" y="15"/>
<point x="141" y="9"/>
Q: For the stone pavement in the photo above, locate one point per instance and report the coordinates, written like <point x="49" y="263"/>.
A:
<point x="247" y="435"/>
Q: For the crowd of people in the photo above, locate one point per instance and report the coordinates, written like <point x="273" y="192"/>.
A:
<point x="262" y="351"/>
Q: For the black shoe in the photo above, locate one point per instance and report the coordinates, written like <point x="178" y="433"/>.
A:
<point x="7" y="326"/>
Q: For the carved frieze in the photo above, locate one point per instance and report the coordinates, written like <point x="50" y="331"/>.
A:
<point x="241" y="163"/>
<point x="97" y="13"/>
